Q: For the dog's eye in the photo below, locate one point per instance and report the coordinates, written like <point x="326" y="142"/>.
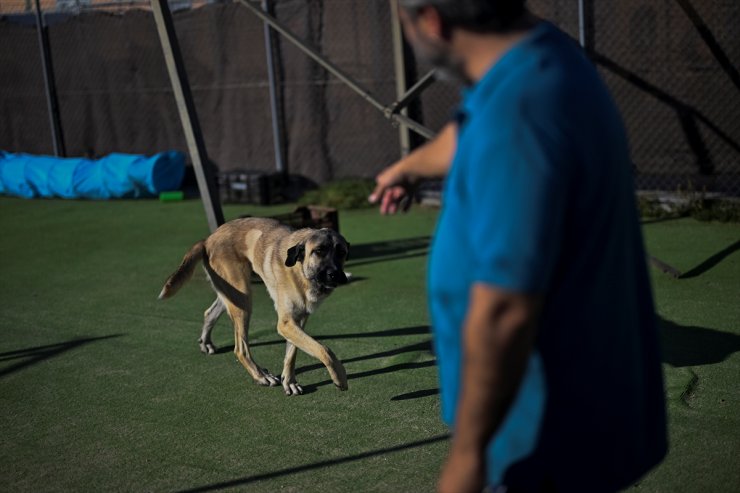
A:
<point x="321" y="251"/>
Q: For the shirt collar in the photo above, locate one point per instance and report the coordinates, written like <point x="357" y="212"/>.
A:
<point x="476" y="95"/>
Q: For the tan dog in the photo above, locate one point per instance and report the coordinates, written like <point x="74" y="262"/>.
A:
<point x="300" y="268"/>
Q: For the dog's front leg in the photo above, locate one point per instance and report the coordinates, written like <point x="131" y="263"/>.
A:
<point x="290" y="385"/>
<point x="295" y="335"/>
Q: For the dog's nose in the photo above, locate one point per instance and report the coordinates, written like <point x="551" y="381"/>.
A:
<point x="337" y="276"/>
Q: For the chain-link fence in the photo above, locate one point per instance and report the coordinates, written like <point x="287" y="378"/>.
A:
<point x="673" y="68"/>
<point x="115" y="96"/>
<point x="671" y="65"/>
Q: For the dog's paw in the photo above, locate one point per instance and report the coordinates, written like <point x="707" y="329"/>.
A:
<point x="268" y="379"/>
<point x="340" y="376"/>
<point x="206" y="347"/>
<point x="292" y="388"/>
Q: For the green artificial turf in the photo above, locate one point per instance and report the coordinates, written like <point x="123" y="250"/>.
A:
<point x="700" y="313"/>
<point x="103" y="387"/>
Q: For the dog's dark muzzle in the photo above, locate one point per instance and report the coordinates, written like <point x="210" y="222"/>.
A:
<point x="332" y="278"/>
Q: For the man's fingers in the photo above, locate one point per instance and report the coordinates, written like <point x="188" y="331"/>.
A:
<point x="390" y="197"/>
<point x="376" y="194"/>
<point x="386" y="202"/>
<point x="382" y="184"/>
<point x="394" y="199"/>
<point x="400" y="199"/>
<point x="396" y="194"/>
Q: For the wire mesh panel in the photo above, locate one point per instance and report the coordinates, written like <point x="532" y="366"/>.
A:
<point x="223" y="49"/>
<point x="110" y="80"/>
<point x="24" y="117"/>
<point x="332" y="131"/>
<point x="562" y="13"/>
<point x="673" y="68"/>
<point x="115" y="94"/>
<point x="112" y="83"/>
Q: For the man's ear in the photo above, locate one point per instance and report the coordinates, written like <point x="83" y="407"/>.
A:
<point x="295" y="254"/>
<point x="431" y="24"/>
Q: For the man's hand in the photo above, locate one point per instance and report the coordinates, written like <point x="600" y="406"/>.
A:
<point x="393" y="190"/>
<point x="395" y="185"/>
<point x="463" y="472"/>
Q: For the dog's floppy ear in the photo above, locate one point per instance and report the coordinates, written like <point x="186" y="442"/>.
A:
<point x="295" y="254"/>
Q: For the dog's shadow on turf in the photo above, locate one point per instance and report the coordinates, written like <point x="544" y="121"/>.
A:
<point x="681" y="346"/>
<point x="382" y="251"/>
<point x="684" y="345"/>
<point x="423" y="346"/>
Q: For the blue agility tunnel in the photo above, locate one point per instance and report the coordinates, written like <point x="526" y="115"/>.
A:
<point x="114" y="176"/>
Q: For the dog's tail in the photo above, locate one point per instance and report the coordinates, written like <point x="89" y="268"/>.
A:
<point x="184" y="272"/>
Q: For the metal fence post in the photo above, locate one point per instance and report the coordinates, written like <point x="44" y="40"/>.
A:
<point x="585" y="24"/>
<point x="275" y="108"/>
<point x="399" y="65"/>
<point x="188" y="116"/>
<point x="52" y="101"/>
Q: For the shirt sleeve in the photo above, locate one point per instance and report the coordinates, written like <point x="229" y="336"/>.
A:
<point x="517" y="182"/>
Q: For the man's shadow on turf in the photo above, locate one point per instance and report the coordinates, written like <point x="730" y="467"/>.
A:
<point x="684" y="345"/>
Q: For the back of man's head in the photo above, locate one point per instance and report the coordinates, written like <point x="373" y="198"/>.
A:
<point x="481" y="16"/>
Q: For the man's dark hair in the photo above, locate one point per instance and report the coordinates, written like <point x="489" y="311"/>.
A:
<point x="480" y="16"/>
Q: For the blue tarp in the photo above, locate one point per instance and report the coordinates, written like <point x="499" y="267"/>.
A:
<point x="111" y="177"/>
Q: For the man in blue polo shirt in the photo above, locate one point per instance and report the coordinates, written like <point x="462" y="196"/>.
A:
<point x="539" y="296"/>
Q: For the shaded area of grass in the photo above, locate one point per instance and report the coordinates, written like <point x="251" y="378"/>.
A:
<point x="700" y="332"/>
<point x="103" y="387"/>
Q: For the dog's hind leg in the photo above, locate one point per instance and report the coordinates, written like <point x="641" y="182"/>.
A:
<point x="210" y="317"/>
<point x="240" y="318"/>
<point x="232" y="286"/>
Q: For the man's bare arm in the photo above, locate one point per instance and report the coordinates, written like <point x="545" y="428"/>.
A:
<point x="499" y="335"/>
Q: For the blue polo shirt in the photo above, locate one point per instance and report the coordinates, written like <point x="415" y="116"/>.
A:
<point x="539" y="200"/>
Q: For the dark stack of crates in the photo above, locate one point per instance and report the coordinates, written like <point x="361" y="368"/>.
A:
<point x="250" y="187"/>
<point x="309" y="216"/>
